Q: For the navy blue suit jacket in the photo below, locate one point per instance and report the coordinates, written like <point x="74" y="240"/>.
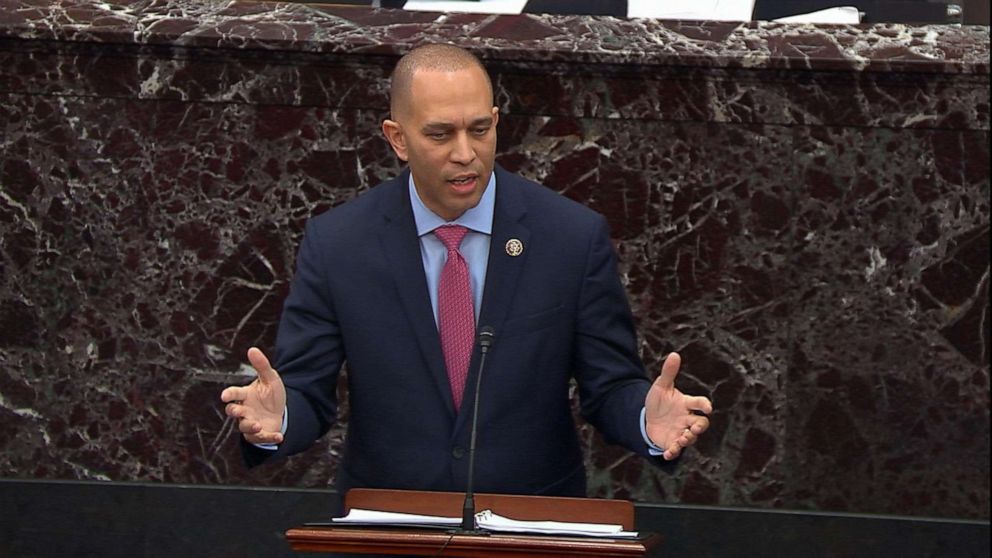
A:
<point x="559" y="312"/>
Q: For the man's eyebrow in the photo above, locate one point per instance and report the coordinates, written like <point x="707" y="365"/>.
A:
<point x="438" y="127"/>
<point x="434" y="127"/>
<point x="483" y="121"/>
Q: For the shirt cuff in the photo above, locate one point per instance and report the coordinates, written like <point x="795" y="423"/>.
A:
<point x="652" y="449"/>
<point x="285" y="420"/>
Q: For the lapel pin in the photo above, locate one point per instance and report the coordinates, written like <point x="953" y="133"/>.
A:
<point x="514" y="247"/>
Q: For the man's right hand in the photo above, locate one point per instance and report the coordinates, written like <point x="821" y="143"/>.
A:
<point x="259" y="406"/>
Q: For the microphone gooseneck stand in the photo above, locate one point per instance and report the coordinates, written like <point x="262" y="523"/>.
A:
<point x="468" y="527"/>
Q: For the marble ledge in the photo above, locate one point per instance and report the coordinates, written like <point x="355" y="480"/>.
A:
<point x="518" y="38"/>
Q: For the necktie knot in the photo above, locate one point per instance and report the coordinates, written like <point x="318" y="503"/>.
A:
<point x="451" y="236"/>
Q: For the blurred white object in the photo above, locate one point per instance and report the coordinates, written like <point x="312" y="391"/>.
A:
<point x="709" y="10"/>
<point x="478" y="7"/>
<point x="840" y="14"/>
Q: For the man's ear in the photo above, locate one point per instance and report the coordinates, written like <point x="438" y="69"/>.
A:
<point x="394" y="135"/>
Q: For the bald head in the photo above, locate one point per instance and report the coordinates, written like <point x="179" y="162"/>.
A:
<point x="433" y="58"/>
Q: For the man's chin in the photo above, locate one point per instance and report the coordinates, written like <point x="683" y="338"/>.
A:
<point x="460" y="204"/>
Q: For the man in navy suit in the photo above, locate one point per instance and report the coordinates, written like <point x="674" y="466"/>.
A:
<point x="542" y="273"/>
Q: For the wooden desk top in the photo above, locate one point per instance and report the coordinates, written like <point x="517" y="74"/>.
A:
<point x="428" y="542"/>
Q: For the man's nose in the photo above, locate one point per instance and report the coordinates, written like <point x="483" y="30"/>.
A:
<point x="462" y="151"/>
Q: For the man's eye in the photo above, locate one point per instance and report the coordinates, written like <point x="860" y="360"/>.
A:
<point x="437" y="136"/>
<point x="480" y="131"/>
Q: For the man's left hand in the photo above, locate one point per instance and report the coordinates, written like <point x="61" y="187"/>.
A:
<point x="674" y="420"/>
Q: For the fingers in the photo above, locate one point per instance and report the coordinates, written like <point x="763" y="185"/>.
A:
<point x="689" y="435"/>
<point x="699" y="403"/>
<point x="234" y="393"/>
<point x="249" y="416"/>
<point x="255" y="434"/>
<point x="699" y="426"/>
<point x="234" y="410"/>
<point x="686" y="439"/>
<point x="266" y="374"/>
<point x="669" y="370"/>
<point x="682" y="442"/>
<point x="240" y="412"/>
<point x="252" y="429"/>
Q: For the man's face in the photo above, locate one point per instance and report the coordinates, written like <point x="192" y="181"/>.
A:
<point x="446" y="131"/>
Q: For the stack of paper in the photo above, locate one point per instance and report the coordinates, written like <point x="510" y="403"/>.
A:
<point x="475" y="6"/>
<point x="712" y="10"/>
<point x="840" y="14"/>
<point x="373" y="517"/>
<point x="723" y="10"/>
<point x="488" y="520"/>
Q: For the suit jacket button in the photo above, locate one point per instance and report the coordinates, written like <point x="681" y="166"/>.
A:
<point x="457" y="452"/>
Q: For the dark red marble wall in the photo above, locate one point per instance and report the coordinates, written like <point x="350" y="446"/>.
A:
<point x="802" y="212"/>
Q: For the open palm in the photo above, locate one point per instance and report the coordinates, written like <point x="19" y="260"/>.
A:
<point x="259" y="406"/>
<point x="673" y="418"/>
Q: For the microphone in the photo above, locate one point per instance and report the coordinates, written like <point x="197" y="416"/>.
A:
<point x="485" y="340"/>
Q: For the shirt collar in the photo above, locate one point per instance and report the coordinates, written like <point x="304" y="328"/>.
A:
<point x="478" y="218"/>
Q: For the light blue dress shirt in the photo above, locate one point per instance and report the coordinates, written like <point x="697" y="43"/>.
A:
<point x="475" y="246"/>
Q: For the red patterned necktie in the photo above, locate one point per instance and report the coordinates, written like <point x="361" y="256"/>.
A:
<point x="456" y="317"/>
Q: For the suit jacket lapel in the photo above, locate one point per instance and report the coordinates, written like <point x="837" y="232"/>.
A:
<point x="504" y="269"/>
<point x="401" y="246"/>
<point x="501" y="276"/>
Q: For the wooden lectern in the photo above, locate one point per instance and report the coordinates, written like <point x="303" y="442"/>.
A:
<point x="430" y="542"/>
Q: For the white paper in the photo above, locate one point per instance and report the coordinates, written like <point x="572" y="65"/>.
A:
<point x="372" y="517"/>
<point x="840" y="14"/>
<point x="707" y="10"/>
<point x="480" y="7"/>
<point x="488" y="520"/>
